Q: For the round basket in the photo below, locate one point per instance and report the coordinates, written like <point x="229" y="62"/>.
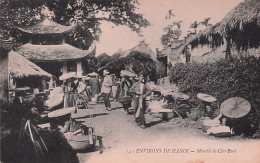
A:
<point x="207" y="124"/>
<point x="125" y="100"/>
<point x="162" y="115"/>
<point x="82" y="142"/>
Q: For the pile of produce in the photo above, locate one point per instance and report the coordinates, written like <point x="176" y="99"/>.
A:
<point x="179" y="122"/>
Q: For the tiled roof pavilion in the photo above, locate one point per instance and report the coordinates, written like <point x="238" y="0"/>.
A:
<point x="47" y="26"/>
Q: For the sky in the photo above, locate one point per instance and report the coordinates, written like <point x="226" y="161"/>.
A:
<point x="115" y="37"/>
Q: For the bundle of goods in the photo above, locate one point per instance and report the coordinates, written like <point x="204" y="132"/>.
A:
<point x="219" y="131"/>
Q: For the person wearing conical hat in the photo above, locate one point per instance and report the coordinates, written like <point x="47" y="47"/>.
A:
<point x="141" y="91"/>
<point x="106" y="89"/>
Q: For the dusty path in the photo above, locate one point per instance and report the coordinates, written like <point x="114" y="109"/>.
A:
<point x="164" y="142"/>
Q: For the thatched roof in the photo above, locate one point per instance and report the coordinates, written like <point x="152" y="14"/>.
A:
<point x="20" y="67"/>
<point x="246" y="12"/>
<point x="174" y="45"/>
<point x="142" y="48"/>
<point x="241" y="22"/>
<point x="47" y="27"/>
<point x="49" y="53"/>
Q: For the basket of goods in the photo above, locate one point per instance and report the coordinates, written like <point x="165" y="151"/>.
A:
<point x="159" y="109"/>
<point x="125" y="100"/>
<point x="207" y="124"/>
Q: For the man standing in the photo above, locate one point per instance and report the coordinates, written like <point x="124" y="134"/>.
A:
<point x="141" y="91"/>
<point x="94" y="84"/>
<point x="114" y="86"/>
<point x="106" y="89"/>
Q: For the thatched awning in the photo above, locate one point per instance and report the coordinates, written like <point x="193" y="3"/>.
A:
<point x="20" y="67"/>
<point x="54" y="53"/>
<point x="246" y="12"/>
<point x="47" y="27"/>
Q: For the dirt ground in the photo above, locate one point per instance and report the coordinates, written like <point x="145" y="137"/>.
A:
<point x="165" y="142"/>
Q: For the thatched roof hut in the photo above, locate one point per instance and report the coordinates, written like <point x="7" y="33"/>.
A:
<point x="241" y="27"/>
<point x="143" y="49"/>
<point x="245" y="13"/>
<point x="20" y="67"/>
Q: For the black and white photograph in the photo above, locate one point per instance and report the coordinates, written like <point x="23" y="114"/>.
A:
<point x="130" y="81"/>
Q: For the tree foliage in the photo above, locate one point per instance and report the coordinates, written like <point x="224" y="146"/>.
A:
<point x="134" y="61"/>
<point x="171" y="32"/>
<point x="223" y="79"/>
<point x="87" y="13"/>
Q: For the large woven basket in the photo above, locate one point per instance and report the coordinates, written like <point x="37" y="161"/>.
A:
<point x="79" y="143"/>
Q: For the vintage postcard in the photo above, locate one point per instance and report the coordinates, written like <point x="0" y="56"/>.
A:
<point x="130" y="81"/>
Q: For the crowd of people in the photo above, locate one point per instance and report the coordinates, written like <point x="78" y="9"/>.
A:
<point x="78" y="90"/>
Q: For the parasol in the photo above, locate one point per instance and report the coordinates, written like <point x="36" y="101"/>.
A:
<point x="20" y="89"/>
<point x="40" y="94"/>
<point x="93" y="74"/>
<point x="86" y="78"/>
<point x="127" y="73"/>
<point x="54" y="100"/>
<point x="206" y="97"/>
<point x="61" y="112"/>
<point x="235" y="107"/>
<point x="180" y="96"/>
<point x="67" y="76"/>
<point x="80" y="76"/>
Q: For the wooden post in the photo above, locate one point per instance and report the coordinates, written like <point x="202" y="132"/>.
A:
<point x="228" y="48"/>
<point x="4" y="77"/>
<point x="79" y="68"/>
<point x="64" y="68"/>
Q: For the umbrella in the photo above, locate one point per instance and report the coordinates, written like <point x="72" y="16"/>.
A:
<point x="235" y="107"/>
<point x="80" y="76"/>
<point x="61" y="112"/>
<point x="165" y="92"/>
<point x="20" y="89"/>
<point x="127" y="73"/>
<point x="93" y="74"/>
<point x="180" y="96"/>
<point x="206" y="97"/>
<point x="87" y="78"/>
<point x="67" y="75"/>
